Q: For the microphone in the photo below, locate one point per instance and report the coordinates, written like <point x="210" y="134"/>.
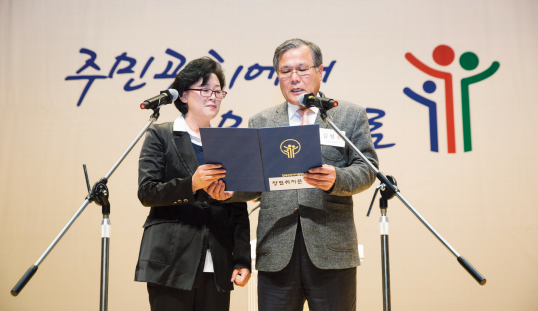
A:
<point x="166" y="97"/>
<point x="309" y="100"/>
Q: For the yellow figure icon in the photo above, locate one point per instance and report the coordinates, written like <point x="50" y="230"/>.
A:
<point x="290" y="147"/>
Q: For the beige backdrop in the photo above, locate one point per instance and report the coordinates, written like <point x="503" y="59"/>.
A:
<point x="481" y="201"/>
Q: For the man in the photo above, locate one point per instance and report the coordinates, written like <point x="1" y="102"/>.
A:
<point x="306" y="239"/>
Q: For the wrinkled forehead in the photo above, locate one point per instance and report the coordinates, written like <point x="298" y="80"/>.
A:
<point x="296" y="57"/>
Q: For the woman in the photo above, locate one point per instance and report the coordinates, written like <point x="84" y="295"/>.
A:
<point x="193" y="246"/>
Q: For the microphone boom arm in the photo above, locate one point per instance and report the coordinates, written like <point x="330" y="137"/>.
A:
<point x="92" y="196"/>
<point x="465" y="264"/>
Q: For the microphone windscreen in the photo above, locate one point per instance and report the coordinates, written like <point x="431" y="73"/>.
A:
<point x="301" y="99"/>
<point x="174" y="94"/>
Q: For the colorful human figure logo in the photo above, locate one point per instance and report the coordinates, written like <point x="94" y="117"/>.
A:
<point x="444" y="55"/>
<point x="429" y="87"/>
<point x="469" y="61"/>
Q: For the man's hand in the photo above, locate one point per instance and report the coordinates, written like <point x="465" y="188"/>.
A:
<point x="206" y="174"/>
<point x="241" y="276"/>
<point x="321" y="177"/>
<point x="216" y="191"/>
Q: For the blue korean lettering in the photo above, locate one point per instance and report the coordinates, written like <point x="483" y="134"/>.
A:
<point x="376" y="125"/>
<point x="128" y="87"/>
<point x="123" y="58"/>
<point x="236" y="73"/>
<point x="169" y="72"/>
<point x="328" y="71"/>
<point x="91" y="78"/>
<point x="88" y="85"/>
<point x="216" y="55"/>
<point x="165" y="74"/>
<point x="89" y="62"/>
<point x="230" y="115"/>
<point x="256" y="70"/>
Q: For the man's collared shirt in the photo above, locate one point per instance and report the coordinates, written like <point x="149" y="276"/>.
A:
<point x="296" y="119"/>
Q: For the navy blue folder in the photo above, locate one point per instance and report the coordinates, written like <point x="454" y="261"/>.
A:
<point x="251" y="156"/>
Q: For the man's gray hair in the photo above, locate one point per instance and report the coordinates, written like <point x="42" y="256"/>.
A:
<point x="315" y="51"/>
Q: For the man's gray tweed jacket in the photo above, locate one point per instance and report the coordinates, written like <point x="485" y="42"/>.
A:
<point x="326" y="219"/>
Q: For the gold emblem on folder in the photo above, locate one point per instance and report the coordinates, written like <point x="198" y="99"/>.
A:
<point x="290" y="147"/>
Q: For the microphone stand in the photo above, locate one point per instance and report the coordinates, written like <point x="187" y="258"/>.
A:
<point x="389" y="189"/>
<point x="98" y="194"/>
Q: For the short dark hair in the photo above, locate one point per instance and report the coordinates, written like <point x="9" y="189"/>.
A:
<point x="200" y="68"/>
<point x="315" y="51"/>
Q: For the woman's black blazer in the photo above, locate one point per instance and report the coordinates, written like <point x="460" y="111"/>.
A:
<point x="171" y="246"/>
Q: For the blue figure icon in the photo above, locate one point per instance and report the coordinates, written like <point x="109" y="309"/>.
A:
<point x="429" y="87"/>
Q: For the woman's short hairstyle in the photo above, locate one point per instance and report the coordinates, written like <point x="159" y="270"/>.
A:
<point x="197" y="69"/>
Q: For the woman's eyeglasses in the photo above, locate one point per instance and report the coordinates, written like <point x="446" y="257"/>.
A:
<point x="208" y="93"/>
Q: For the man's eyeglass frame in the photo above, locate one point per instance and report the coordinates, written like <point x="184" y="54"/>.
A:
<point x="288" y="74"/>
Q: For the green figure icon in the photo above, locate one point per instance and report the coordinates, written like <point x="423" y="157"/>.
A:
<point x="469" y="61"/>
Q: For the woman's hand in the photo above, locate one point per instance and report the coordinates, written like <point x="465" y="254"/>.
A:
<point x="216" y="191"/>
<point x="205" y="175"/>
<point x="241" y="276"/>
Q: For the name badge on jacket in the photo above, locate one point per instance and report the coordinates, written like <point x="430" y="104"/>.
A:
<point x="329" y="137"/>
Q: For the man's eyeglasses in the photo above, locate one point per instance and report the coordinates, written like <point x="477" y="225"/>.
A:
<point x="301" y="71"/>
<point x="208" y="93"/>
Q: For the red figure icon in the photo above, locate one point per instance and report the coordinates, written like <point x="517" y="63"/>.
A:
<point x="442" y="55"/>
